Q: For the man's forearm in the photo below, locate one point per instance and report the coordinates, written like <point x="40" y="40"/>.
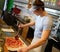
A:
<point x="38" y="43"/>
<point x="29" y="24"/>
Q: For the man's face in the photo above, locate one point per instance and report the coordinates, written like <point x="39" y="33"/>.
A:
<point x="37" y="11"/>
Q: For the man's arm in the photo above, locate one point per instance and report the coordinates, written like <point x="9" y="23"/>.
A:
<point x="27" y="25"/>
<point x="42" y="40"/>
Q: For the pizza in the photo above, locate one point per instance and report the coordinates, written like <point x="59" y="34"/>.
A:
<point x="13" y="43"/>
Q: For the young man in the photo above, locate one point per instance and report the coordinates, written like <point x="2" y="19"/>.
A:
<point x="43" y="25"/>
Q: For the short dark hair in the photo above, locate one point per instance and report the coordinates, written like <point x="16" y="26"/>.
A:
<point x="38" y="4"/>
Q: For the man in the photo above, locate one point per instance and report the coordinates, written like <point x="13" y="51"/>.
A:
<point x="43" y="25"/>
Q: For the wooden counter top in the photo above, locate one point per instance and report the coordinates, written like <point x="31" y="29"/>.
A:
<point x="5" y="49"/>
<point x="2" y="22"/>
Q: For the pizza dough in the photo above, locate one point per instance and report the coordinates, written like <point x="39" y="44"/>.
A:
<point x="13" y="43"/>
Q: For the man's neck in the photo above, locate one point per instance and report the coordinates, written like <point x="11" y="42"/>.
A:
<point x="43" y="14"/>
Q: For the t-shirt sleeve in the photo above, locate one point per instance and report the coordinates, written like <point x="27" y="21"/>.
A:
<point x="47" y="24"/>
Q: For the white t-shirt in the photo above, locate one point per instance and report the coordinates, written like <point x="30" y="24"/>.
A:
<point x="42" y="23"/>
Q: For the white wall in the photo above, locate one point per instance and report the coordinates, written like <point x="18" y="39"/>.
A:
<point x="5" y="5"/>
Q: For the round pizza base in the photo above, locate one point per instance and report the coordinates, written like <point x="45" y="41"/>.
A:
<point x="16" y="49"/>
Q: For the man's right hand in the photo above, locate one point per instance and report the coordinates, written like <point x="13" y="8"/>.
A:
<point x="20" y="25"/>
